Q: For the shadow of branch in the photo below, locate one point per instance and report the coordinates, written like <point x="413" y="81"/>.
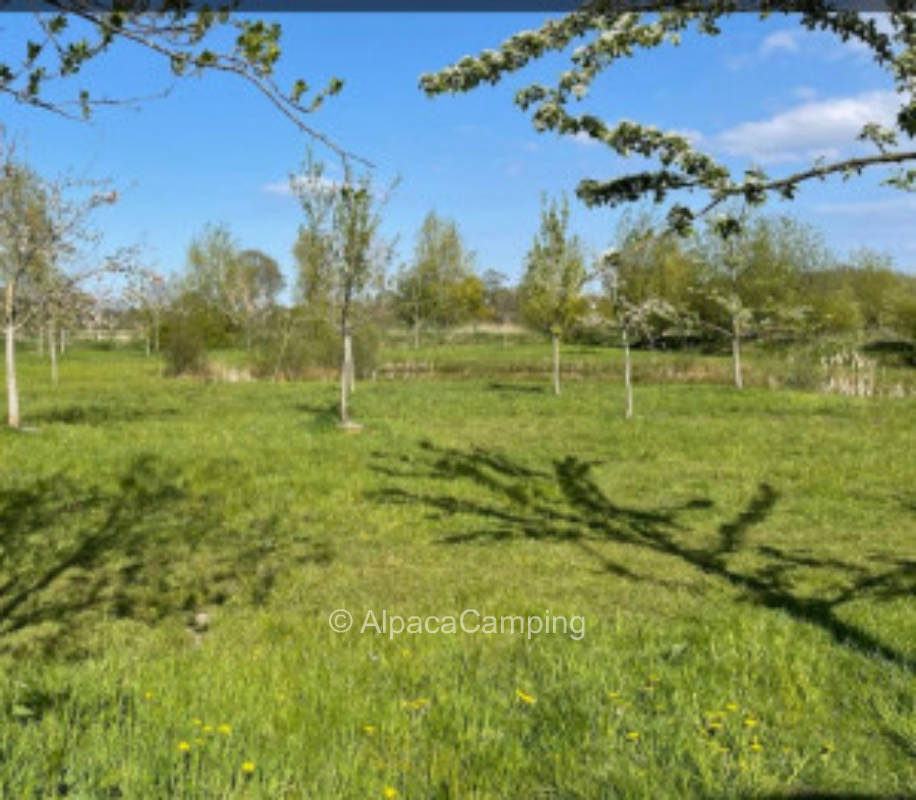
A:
<point x="565" y="503"/>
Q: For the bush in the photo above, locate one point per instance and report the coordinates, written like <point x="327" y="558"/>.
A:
<point x="296" y="345"/>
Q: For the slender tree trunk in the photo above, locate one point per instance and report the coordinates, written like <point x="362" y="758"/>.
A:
<point x="416" y="334"/>
<point x="148" y="339"/>
<point x="41" y="341"/>
<point x="556" y="362"/>
<point x="63" y="340"/>
<point x="12" y="390"/>
<point x="52" y="351"/>
<point x="736" y="354"/>
<point x="627" y="376"/>
<point x="351" y="365"/>
<point x="346" y="366"/>
<point x="156" y="331"/>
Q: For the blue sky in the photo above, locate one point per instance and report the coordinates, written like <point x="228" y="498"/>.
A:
<point x="214" y="150"/>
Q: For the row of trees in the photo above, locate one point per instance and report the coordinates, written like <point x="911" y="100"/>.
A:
<point x="764" y="277"/>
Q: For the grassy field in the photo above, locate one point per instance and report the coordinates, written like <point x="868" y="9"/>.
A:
<point x="737" y="573"/>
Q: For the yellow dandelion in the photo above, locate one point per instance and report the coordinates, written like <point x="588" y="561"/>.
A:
<point x="198" y="741"/>
<point x="248" y="767"/>
<point x="713" y="725"/>
<point x="633" y="736"/>
<point x="614" y="695"/>
<point x="750" y="722"/>
<point x="526" y="698"/>
<point x="225" y="729"/>
<point x="415" y="705"/>
<point x="197" y="722"/>
<point x="389" y="792"/>
<point x="148" y="695"/>
<point x="369" y="729"/>
<point x="731" y="707"/>
<point x="756" y="746"/>
<point x="405" y="652"/>
<point x="184" y="747"/>
<point x="207" y="729"/>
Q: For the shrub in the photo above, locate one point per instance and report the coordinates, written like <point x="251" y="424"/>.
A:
<point x="296" y="345"/>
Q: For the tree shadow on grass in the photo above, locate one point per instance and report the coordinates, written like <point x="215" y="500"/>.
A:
<point x="563" y="502"/>
<point x="99" y="415"/>
<point x="73" y="556"/>
<point x="515" y="388"/>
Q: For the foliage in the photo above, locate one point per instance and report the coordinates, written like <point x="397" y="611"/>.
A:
<point x="614" y="31"/>
<point x="298" y="344"/>
<point x="550" y="290"/>
<point x="439" y="287"/>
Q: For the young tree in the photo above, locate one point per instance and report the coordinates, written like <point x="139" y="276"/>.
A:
<point x="149" y="293"/>
<point x="439" y="287"/>
<point x="614" y="30"/>
<point x="343" y="220"/>
<point x="638" y="304"/>
<point x="550" y="292"/>
<point x="751" y="276"/>
<point x="41" y="228"/>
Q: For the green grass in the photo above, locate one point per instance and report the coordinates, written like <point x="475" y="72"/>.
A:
<point x="744" y="563"/>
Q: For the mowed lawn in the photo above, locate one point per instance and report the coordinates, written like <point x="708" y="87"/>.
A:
<point x="745" y="564"/>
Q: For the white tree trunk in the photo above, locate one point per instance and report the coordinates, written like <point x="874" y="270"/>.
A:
<point x="52" y="351"/>
<point x="556" y="362"/>
<point x="736" y="355"/>
<point x="627" y="377"/>
<point x="345" y="370"/>
<point x="41" y="341"/>
<point x="63" y="340"/>
<point x="12" y="389"/>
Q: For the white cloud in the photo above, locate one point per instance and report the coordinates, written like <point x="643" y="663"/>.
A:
<point x="785" y="40"/>
<point x="804" y="92"/>
<point x="823" y="127"/>
<point x="284" y="189"/>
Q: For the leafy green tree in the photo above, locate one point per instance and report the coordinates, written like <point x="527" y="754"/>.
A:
<point x="439" y="287"/>
<point x="751" y="276"/>
<point x="607" y="31"/>
<point x="874" y="284"/>
<point x="550" y="292"/>
<point x="499" y="299"/>
<point x="242" y="284"/>
<point x="348" y="233"/>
